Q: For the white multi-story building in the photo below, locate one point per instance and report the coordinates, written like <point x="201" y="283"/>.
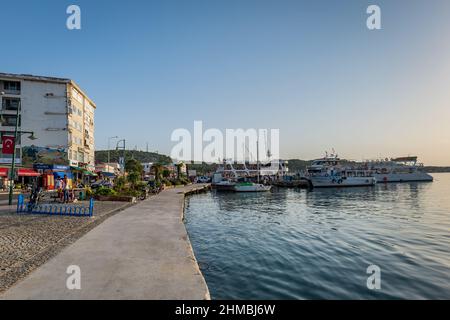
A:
<point x="57" y="111"/>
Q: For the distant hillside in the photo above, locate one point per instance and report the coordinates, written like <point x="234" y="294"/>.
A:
<point x="141" y="156"/>
<point x="296" y="165"/>
<point x="203" y="169"/>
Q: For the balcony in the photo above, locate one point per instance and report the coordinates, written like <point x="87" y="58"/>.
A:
<point x="10" y="104"/>
<point x="11" y="87"/>
<point x="8" y="120"/>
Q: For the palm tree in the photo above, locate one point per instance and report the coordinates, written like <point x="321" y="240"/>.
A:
<point x="158" y="170"/>
<point x="179" y="166"/>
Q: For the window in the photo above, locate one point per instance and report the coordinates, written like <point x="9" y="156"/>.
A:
<point x="11" y="86"/>
<point x="88" y="107"/>
<point x="10" y="103"/>
<point x="76" y="140"/>
<point x="77" y="96"/>
<point x="9" y="120"/>
<point x="80" y="157"/>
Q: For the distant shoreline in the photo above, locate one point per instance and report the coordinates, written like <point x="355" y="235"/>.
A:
<point x="432" y="169"/>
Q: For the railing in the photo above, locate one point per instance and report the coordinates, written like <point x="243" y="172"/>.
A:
<point x="55" y="209"/>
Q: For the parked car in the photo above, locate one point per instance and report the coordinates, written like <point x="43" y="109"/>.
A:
<point x="202" y="179"/>
<point x="102" y="183"/>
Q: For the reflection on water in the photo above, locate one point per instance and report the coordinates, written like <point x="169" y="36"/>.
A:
<point x="299" y="244"/>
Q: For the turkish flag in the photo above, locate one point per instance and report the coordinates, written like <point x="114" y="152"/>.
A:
<point x="8" y="144"/>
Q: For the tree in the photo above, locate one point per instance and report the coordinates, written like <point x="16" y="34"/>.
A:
<point x="134" y="169"/>
<point x="166" y="173"/>
<point x="179" y="166"/>
<point x="134" y="178"/>
<point x="133" y="165"/>
<point x="158" y="168"/>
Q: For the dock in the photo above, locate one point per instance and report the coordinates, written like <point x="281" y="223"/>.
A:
<point x="143" y="252"/>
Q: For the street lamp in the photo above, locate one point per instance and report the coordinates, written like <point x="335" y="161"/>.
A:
<point x="109" y="151"/>
<point x="123" y="154"/>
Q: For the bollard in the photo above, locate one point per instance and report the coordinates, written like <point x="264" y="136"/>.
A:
<point x="91" y="207"/>
<point x="19" y="203"/>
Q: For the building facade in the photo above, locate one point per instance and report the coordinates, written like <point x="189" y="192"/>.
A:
<point x="58" y="113"/>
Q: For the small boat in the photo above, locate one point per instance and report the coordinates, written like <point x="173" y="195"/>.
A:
<point x="248" y="186"/>
<point x="251" y="187"/>
<point x="224" y="185"/>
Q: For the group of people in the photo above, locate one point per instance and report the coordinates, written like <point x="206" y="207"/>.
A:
<point x="63" y="188"/>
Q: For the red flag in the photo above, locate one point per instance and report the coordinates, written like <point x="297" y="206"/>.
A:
<point x="8" y="144"/>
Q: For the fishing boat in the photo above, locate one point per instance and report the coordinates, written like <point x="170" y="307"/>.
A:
<point x="223" y="184"/>
<point x="248" y="186"/>
<point x="331" y="171"/>
<point x="401" y="169"/>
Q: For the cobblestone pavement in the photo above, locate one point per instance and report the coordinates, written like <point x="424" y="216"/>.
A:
<point x="27" y="241"/>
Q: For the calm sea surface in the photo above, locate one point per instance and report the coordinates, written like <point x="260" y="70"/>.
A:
<point x="299" y="244"/>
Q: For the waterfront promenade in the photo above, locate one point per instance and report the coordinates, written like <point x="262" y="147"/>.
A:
<point x="142" y="252"/>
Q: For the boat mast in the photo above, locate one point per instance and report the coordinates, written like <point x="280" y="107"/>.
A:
<point x="257" y="158"/>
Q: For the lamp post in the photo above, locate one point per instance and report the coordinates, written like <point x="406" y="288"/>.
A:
<point x="123" y="154"/>
<point x="109" y="148"/>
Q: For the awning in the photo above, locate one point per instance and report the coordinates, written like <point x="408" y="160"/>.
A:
<point x="89" y="173"/>
<point x="28" y="173"/>
<point x="108" y="174"/>
<point x="3" y="172"/>
<point x="83" y="171"/>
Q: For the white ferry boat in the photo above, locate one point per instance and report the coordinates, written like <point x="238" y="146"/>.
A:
<point x="331" y="172"/>
<point x="402" y="169"/>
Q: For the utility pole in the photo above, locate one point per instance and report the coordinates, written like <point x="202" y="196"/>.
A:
<point x="13" y="162"/>
<point x="109" y="148"/>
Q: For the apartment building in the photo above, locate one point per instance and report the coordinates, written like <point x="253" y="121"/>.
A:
<point x="57" y="111"/>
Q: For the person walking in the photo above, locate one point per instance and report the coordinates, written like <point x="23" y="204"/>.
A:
<point x="59" y="189"/>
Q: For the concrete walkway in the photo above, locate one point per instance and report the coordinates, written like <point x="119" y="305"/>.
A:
<point x="141" y="253"/>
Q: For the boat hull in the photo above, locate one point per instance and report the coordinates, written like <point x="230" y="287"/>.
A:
<point x="252" y="188"/>
<point x="403" y="177"/>
<point x="223" y="187"/>
<point x="337" y="182"/>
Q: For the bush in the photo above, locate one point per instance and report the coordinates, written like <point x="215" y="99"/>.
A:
<point x="133" y="178"/>
<point x="119" y="183"/>
<point x="130" y="193"/>
<point x="89" y="192"/>
<point x="103" y="191"/>
<point x="140" y="185"/>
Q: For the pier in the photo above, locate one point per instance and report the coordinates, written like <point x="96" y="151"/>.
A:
<point x="143" y="252"/>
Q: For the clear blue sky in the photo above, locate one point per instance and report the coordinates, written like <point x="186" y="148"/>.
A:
<point x="310" y="68"/>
